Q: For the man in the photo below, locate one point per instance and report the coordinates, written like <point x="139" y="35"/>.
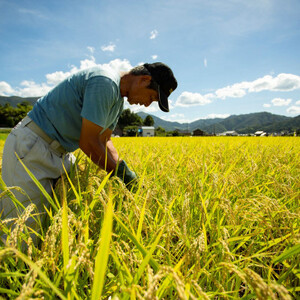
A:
<point x="81" y="112"/>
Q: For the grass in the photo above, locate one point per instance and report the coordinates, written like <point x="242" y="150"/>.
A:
<point x="211" y="218"/>
<point x="2" y="141"/>
<point x="4" y="132"/>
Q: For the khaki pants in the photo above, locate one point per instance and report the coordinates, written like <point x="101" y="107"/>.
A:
<point x="45" y="163"/>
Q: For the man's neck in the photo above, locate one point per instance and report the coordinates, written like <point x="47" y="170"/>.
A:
<point x="124" y="83"/>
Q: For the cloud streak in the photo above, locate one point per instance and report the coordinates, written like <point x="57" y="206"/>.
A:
<point x="153" y="34"/>
<point x="32" y="13"/>
<point x="108" y="48"/>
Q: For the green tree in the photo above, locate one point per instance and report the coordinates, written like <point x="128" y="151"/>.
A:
<point x="21" y="111"/>
<point x="175" y="133"/>
<point x="129" y="118"/>
<point x="159" y="131"/>
<point x="131" y="130"/>
<point x="11" y="116"/>
<point x="148" y="121"/>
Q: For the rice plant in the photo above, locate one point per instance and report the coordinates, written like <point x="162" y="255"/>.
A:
<point x="210" y="218"/>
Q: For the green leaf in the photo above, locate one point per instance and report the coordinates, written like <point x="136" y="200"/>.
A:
<point x="33" y="266"/>
<point x="133" y="238"/>
<point x="147" y="259"/>
<point x="287" y="254"/>
<point x="103" y="252"/>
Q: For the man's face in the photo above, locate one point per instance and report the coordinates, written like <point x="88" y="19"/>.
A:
<point x="139" y="92"/>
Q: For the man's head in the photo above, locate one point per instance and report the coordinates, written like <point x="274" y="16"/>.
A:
<point x="162" y="81"/>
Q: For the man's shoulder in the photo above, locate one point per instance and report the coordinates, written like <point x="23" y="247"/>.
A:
<point x="100" y="71"/>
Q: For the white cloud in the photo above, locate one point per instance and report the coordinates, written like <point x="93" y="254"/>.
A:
<point x="298" y="102"/>
<point x="294" y="110"/>
<point x="192" y="99"/>
<point x="108" y="48"/>
<point x="6" y="89"/>
<point x="205" y="62"/>
<point x="91" y="49"/>
<point x="282" y="82"/>
<point x="140" y="108"/>
<point x="180" y="118"/>
<point x="86" y="63"/>
<point x="234" y="91"/>
<point x="26" y="89"/>
<point x="286" y="82"/>
<point x="154" y="57"/>
<point x="58" y="76"/>
<point x="176" y="116"/>
<point x="281" y="102"/>
<point x="171" y="106"/>
<point x="153" y="34"/>
<point x="32" y="89"/>
<point x="267" y="105"/>
<point x="119" y="65"/>
<point x="213" y="116"/>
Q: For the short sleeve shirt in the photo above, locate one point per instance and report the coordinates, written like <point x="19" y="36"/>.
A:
<point x="93" y="94"/>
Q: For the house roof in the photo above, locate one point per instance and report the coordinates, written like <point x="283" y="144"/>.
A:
<point x="147" y="127"/>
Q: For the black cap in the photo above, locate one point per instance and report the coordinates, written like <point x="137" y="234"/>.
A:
<point x="166" y="81"/>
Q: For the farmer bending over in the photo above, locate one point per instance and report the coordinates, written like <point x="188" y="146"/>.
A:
<point x="81" y="112"/>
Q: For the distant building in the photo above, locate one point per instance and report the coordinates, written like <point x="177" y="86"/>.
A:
<point x="184" y="132"/>
<point x="198" y="132"/>
<point x="146" y="131"/>
<point x="229" y="133"/>
<point x="260" y="133"/>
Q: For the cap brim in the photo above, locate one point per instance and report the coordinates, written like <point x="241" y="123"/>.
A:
<point x="163" y="101"/>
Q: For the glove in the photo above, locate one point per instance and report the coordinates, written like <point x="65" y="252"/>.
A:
<point x="125" y="174"/>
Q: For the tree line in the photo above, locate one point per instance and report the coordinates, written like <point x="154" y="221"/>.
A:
<point x="128" y="124"/>
<point x="11" y="116"/>
<point x="128" y="121"/>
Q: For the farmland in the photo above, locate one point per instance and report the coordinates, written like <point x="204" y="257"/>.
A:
<point x="211" y="218"/>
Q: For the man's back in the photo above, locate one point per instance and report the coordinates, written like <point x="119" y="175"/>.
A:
<point x="93" y="94"/>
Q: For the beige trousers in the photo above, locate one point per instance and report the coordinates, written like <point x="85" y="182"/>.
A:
<point x="45" y="163"/>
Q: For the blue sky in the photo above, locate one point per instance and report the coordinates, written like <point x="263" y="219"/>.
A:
<point x="229" y="56"/>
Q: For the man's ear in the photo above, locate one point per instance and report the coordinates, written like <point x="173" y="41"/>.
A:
<point x="146" y="79"/>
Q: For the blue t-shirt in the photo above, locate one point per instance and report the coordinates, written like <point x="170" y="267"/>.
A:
<point x="93" y="94"/>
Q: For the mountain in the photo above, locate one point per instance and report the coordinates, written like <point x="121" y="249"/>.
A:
<point x="168" y="126"/>
<point x="287" y="125"/>
<point x="250" y="122"/>
<point x="14" y="100"/>
<point x="247" y="123"/>
<point x="206" y="123"/>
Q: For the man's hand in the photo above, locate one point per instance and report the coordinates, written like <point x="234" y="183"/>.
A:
<point x="98" y="146"/>
<point x="124" y="173"/>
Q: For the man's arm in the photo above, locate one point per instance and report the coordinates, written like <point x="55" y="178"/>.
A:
<point x="98" y="147"/>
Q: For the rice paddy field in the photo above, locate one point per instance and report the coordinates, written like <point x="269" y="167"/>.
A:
<point x="210" y="218"/>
